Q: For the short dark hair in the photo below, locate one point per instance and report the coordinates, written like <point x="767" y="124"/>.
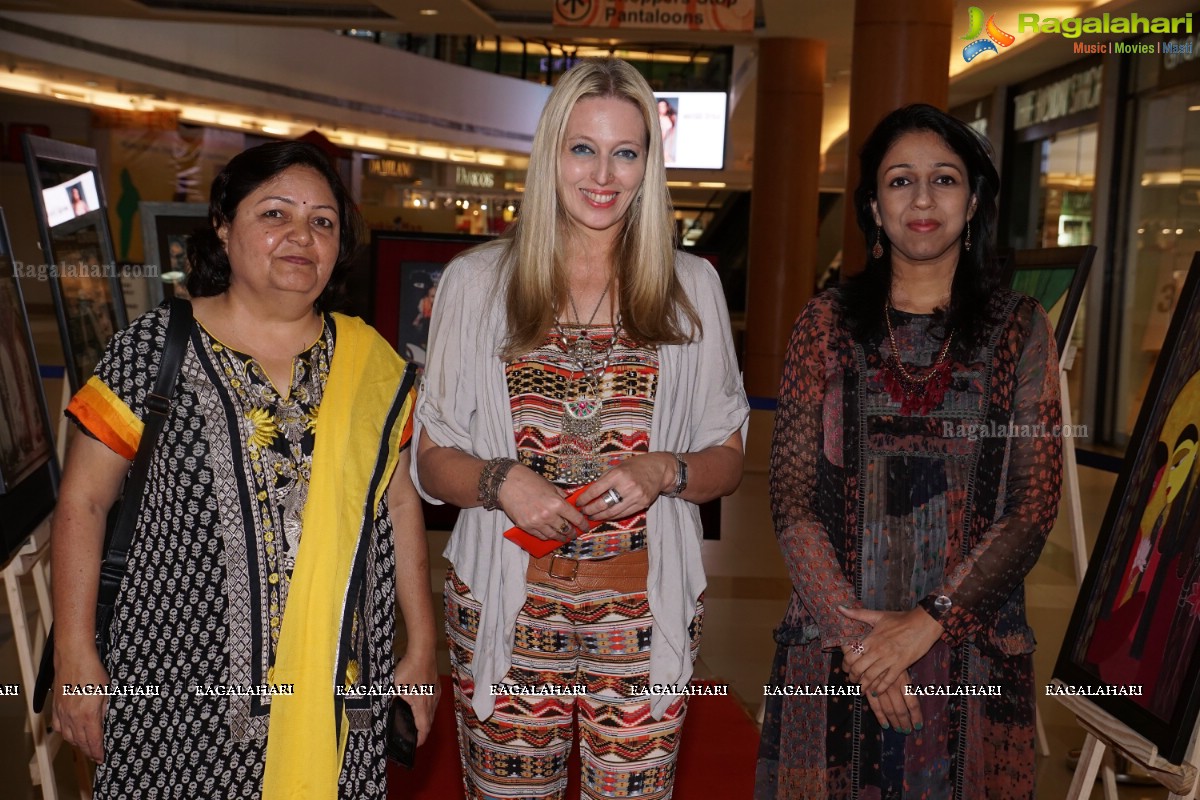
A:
<point x="245" y="172"/>
<point x="977" y="276"/>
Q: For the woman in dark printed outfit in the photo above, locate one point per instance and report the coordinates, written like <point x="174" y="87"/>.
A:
<point x="907" y="534"/>
<point x="265" y="509"/>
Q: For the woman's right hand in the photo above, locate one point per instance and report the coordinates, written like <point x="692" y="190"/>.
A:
<point x="537" y="506"/>
<point x="79" y="717"/>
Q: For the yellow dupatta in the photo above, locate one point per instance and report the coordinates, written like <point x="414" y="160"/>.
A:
<point x="306" y="741"/>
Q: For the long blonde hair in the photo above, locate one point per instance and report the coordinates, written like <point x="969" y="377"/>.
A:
<point x="653" y="305"/>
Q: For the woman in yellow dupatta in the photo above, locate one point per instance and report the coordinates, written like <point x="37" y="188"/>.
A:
<point x="278" y="529"/>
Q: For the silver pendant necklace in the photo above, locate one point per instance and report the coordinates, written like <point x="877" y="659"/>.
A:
<point x="581" y="410"/>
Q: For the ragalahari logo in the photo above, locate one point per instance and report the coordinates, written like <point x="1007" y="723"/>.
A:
<point x="994" y="37"/>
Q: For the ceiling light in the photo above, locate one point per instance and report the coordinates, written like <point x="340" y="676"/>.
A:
<point x="428" y="12"/>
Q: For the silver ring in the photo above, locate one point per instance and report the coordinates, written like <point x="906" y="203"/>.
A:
<point x="612" y="497"/>
<point x="858" y="648"/>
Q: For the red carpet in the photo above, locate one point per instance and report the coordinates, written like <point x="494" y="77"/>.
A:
<point x="716" y="759"/>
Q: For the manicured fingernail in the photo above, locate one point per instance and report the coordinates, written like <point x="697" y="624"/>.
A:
<point x="887" y="727"/>
<point x="919" y="725"/>
<point x="905" y="731"/>
<point x="874" y="694"/>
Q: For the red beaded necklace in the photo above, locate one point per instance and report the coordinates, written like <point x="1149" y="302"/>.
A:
<point x="916" y="394"/>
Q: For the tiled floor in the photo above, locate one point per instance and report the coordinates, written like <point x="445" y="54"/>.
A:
<point x="748" y="590"/>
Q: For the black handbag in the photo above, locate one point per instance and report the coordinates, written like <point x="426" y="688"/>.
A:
<point x="119" y="536"/>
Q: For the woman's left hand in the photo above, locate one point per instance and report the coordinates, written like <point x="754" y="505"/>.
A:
<point x="410" y="671"/>
<point x="898" y="639"/>
<point x="638" y="480"/>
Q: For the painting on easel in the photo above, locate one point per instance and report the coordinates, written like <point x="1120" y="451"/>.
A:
<point x="1136" y="624"/>
<point x="28" y="469"/>
<point x="1055" y="276"/>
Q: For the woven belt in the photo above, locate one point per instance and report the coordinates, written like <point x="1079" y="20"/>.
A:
<point x="625" y="573"/>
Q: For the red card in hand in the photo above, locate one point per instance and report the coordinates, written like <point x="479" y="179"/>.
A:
<point x="536" y="546"/>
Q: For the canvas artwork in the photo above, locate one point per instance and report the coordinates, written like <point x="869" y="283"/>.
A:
<point x="407" y="268"/>
<point x="1136" y="623"/>
<point x="25" y="438"/>
<point x="28" y="468"/>
<point x="1055" y="277"/>
<point x="166" y="228"/>
<point x="88" y="303"/>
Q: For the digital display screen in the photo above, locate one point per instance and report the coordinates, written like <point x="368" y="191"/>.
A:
<point x="70" y="199"/>
<point x="692" y="125"/>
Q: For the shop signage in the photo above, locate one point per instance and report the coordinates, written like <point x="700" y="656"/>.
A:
<point x="391" y="168"/>
<point x="1180" y="61"/>
<point x="474" y="178"/>
<point x="1079" y="92"/>
<point x="682" y="15"/>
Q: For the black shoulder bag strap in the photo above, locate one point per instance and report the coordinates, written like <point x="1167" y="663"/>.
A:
<point x="116" y="555"/>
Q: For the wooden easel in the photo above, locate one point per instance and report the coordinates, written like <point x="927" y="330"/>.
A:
<point x="33" y="559"/>
<point x="1074" y="500"/>
<point x="1106" y="732"/>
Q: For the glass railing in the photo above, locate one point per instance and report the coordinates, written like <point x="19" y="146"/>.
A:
<point x="666" y="66"/>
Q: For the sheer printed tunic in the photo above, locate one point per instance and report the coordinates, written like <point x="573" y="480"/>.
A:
<point x="543" y="382"/>
<point x="203" y="597"/>
<point x="883" y="510"/>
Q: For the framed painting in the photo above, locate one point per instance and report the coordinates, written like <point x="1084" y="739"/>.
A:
<point x="1134" y="635"/>
<point x="68" y="198"/>
<point x="1055" y="277"/>
<point x="407" y="268"/>
<point x="166" y="229"/>
<point x="28" y="471"/>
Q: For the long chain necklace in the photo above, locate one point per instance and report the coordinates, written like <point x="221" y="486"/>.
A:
<point x="916" y="394"/>
<point x="581" y="410"/>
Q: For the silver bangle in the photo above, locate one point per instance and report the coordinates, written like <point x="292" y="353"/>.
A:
<point x="491" y="479"/>
<point x="681" y="477"/>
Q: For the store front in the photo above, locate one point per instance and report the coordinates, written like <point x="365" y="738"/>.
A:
<point x="1160" y="218"/>
<point x="418" y="196"/>
<point x="1049" y="180"/>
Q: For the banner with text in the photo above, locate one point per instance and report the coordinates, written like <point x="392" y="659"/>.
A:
<point x="686" y="15"/>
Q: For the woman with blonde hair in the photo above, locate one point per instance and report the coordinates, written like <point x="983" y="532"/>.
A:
<point x="581" y="350"/>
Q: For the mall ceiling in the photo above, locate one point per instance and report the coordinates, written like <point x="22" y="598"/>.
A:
<point x="831" y="22"/>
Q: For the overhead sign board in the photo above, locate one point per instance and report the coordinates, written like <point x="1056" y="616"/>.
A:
<point x="680" y="15"/>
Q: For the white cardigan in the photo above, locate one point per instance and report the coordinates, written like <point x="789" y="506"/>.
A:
<point x="464" y="404"/>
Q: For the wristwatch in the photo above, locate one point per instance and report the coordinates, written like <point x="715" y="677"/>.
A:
<point x="936" y="606"/>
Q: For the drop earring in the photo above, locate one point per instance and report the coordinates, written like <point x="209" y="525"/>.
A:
<point x="967" y="241"/>
<point x="877" y="250"/>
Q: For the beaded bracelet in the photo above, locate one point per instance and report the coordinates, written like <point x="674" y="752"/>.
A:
<point x="492" y="478"/>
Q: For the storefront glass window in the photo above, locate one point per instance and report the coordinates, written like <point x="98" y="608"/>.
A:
<point x="1066" y="177"/>
<point x="1164" y="233"/>
<point x="1068" y="173"/>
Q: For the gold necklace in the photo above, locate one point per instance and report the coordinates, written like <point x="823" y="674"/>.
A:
<point x="912" y="383"/>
